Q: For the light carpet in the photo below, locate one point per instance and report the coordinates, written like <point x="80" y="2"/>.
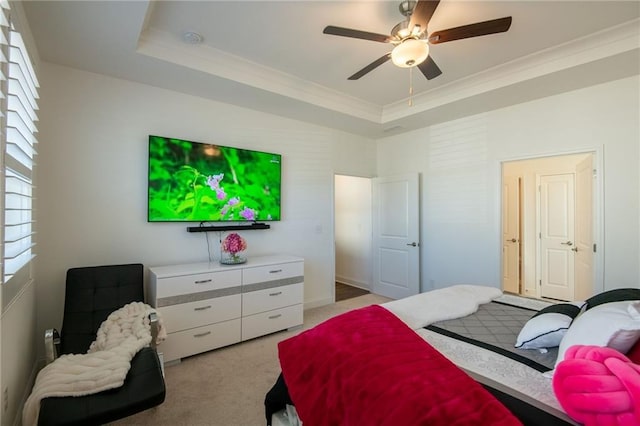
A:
<point x="226" y="387"/>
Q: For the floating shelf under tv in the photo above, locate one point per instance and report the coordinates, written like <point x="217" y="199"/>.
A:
<point x="214" y="228"/>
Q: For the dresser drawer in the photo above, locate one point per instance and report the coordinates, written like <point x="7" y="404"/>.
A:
<point x="272" y="298"/>
<point x="214" y="282"/>
<point x="280" y="271"/>
<point x="194" y="314"/>
<point x="270" y="322"/>
<point x="201" y="339"/>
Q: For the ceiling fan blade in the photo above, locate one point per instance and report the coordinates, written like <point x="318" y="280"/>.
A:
<point x="373" y="65"/>
<point x="422" y="13"/>
<point x="429" y="68"/>
<point x="472" y="30"/>
<point x="364" y="35"/>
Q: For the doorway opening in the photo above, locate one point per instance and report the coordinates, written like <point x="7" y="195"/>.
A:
<point x="549" y="227"/>
<point x="353" y="231"/>
<point x="376" y="228"/>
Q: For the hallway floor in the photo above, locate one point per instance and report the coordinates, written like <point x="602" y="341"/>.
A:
<point x="344" y="291"/>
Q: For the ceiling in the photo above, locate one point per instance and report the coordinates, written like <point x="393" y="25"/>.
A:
<point x="272" y="55"/>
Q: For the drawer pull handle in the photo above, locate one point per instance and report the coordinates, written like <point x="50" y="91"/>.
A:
<point x="202" y="334"/>
<point x="202" y="308"/>
<point x="275" y="294"/>
<point x="275" y="316"/>
<point x="203" y="281"/>
<point x="275" y="271"/>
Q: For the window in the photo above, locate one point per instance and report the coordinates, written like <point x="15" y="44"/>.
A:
<point x="19" y="106"/>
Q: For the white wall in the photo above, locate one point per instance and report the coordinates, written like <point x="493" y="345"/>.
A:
<point x="92" y="180"/>
<point x="353" y="230"/>
<point x="459" y="162"/>
<point x="19" y="351"/>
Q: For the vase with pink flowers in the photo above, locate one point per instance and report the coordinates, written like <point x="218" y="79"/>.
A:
<point x="232" y="245"/>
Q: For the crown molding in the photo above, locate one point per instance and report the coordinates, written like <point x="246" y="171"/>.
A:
<point x="600" y="45"/>
<point x="165" y="46"/>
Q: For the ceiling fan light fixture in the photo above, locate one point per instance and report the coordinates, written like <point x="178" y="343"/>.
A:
<point x="409" y="53"/>
<point x="401" y="30"/>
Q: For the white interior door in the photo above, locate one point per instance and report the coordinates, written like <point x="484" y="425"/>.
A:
<point x="396" y="245"/>
<point x="557" y="229"/>
<point x="584" y="229"/>
<point x="511" y="234"/>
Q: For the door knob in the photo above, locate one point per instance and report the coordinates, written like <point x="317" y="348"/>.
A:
<point x="513" y="240"/>
<point x="413" y="244"/>
<point x="575" y="249"/>
<point x="568" y="243"/>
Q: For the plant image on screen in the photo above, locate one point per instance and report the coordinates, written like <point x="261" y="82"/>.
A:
<point x="197" y="182"/>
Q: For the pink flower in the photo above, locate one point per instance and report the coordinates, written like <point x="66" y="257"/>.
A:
<point x="214" y="181"/>
<point x="220" y="193"/>
<point x="233" y="243"/>
<point x="248" y="214"/>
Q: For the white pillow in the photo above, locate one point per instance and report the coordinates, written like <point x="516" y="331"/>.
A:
<point x="548" y="326"/>
<point x="615" y="325"/>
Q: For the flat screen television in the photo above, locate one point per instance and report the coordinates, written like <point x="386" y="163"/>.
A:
<point x="200" y="182"/>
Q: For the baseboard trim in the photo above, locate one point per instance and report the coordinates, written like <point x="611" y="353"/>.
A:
<point x="352" y="283"/>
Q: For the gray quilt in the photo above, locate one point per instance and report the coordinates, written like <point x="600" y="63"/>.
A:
<point x="495" y="326"/>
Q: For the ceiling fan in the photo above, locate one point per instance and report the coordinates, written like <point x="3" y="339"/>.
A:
<point x="411" y="40"/>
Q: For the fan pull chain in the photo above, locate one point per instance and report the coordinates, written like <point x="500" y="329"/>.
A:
<point x="411" y="86"/>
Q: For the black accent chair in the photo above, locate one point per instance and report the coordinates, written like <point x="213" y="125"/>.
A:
<point x="91" y="294"/>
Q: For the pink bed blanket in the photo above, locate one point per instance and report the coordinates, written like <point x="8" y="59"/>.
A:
<point x="366" y="367"/>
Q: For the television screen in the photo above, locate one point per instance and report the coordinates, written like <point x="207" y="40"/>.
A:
<point x="199" y="182"/>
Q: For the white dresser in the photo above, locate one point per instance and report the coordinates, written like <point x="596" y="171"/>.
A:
<point x="207" y="305"/>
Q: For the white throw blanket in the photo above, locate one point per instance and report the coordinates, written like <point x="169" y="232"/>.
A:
<point x="106" y="364"/>
<point x="447" y="303"/>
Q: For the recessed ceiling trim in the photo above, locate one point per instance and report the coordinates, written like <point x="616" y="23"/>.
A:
<point x="167" y="47"/>
<point x="610" y="42"/>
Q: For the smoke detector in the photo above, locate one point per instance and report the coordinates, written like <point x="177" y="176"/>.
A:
<point x="192" y="37"/>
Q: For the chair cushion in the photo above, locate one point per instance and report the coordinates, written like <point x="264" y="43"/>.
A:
<point x="143" y="388"/>
<point x="92" y="293"/>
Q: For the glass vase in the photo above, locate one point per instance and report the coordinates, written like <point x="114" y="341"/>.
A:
<point x="229" y="258"/>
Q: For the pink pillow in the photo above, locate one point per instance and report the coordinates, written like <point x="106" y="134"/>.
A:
<point x="634" y="353"/>
<point x="598" y="386"/>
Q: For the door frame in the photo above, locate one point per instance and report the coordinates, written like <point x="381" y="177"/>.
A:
<point x="333" y="235"/>
<point x="598" y="208"/>
<point x="357" y="274"/>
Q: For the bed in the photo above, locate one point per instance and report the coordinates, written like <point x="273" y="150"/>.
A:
<point x="377" y="364"/>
